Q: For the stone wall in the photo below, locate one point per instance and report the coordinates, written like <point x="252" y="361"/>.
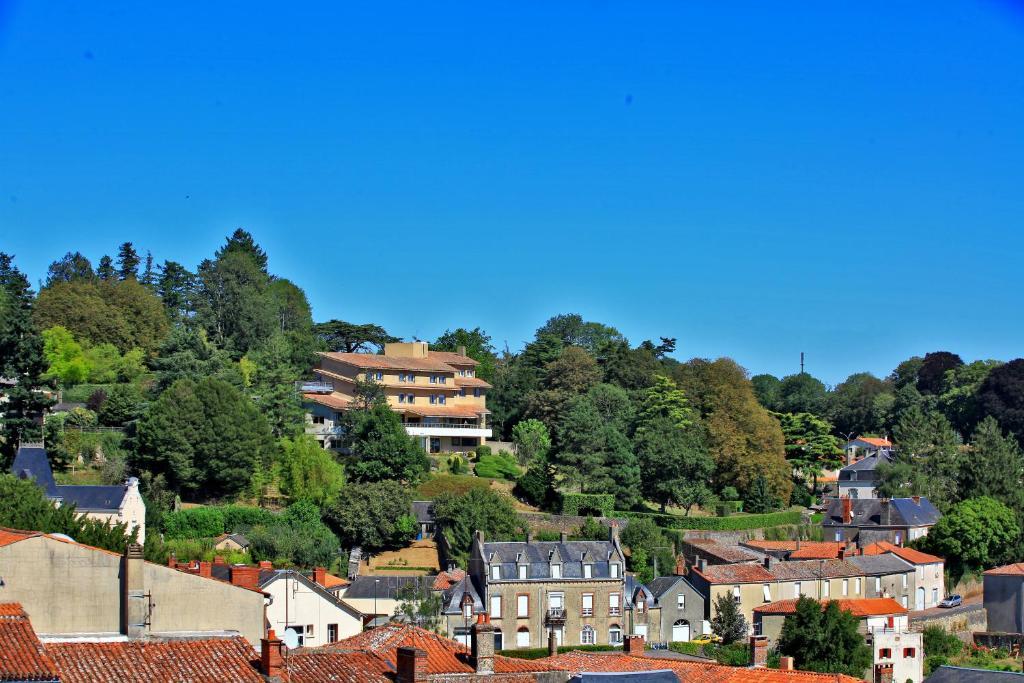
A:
<point x="971" y="619"/>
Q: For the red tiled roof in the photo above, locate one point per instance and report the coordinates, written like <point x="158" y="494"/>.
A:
<point x="724" y="551"/>
<point x="874" y="441"/>
<point x="908" y="554"/>
<point x="332" y="581"/>
<point x="443" y="655"/>
<point x="735" y="573"/>
<point x="376" y="361"/>
<point x="817" y="550"/>
<point x="181" y="661"/>
<point x="859" y="607"/>
<point x="770" y="545"/>
<point x="1007" y="570"/>
<point x="22" y="657"/>
<point x="335" y="401"/>
<point x="691" y="672"/>
<point x="452" y="358"/>
<point x="316" y="665"/>
<point x="444" y="411"/>
<point x="9" y="536"/>
<point x="446" y="580"/>
<point x="471" y="382"/>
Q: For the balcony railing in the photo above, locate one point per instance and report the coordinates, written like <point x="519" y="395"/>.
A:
<point x="323" y="430"/>
<point x="443" y="424"/>
<point x="588" y="611"/>
<point x="555" y="615"/>
<point x="314" y="387"/>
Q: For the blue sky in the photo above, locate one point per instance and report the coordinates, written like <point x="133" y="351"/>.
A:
<point x="755" y="179"/>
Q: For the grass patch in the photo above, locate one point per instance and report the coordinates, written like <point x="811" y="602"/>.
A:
<point x="80" y="476"/>
<point x="456" y="484"/>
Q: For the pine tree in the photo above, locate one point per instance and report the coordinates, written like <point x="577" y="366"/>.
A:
<point x="728" y="622"/>
<point x="105" y="271"/>
<point x="149" y="274"/>
<point x="994" y="467"/>
<point x="127" y="262"/>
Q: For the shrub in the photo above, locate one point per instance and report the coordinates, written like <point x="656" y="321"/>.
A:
<point x="938" y="641"/>
<point x="581" y="503"/>
<point x="456" y="484"/>
<point x="201" y="522"/>
<point x="456" y="465"/>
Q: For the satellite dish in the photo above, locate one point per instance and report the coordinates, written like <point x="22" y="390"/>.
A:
<point x="291" y="638"/>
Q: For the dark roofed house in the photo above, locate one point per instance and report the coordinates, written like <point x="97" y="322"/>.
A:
<point x="867" y="521"/>
<point x="109" y="504"/>
<point x="860" y="478"/>
<point x="423" y="511"/>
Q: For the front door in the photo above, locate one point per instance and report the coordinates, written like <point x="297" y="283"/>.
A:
<point x="919" y="603"/>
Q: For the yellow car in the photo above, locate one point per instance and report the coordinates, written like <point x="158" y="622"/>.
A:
<point x="706" y="639"/>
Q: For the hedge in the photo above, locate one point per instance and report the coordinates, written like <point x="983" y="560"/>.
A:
<point x="732" y="523"/>
<point x="573" y="503"/>
<point x="541" y="652"/>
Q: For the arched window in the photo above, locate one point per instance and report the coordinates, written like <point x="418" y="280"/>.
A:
<point x="588" y="636"/>
<point x="614" y="635"/>
<point x="523" y="637"/>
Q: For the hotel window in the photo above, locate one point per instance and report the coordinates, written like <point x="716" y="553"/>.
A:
<point x="522" y="571"/>
<point x="433" y="398"/>
<point x="522" y="606"/>
<point x="681" y="601"/>
<point x="523" y="637"/>
<point x="433" y="379"/>
<point x="588" y="604"/>
<point x="613" y="604"/>
<point x="495" y="607"/>
<point x="587" y="636"/>
<point x="796" y="589"/>
<point x="846" y="587"/>
<point x="441" y="399"/>
<point x="495" y="572"/>
<point x="556" y="571"/>
<point x="856" y="584"/>
<point x="767" y="593"/>
<point x="477" y="392"/>
<point x="588" y="571"/>
<point x="332" y="633"/>
<point x="615" y="570"/>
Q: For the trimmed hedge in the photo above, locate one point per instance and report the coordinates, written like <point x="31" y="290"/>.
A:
<point x="574" y="503"/>
<point x="732" y="523"/>
<point x="541" y="652"/>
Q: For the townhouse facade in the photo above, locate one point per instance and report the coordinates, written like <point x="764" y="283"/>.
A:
<point x="531" y="589"/>
<point x="887" y="576"/>
<point x="929" y="572"/>
<point x="442" y="402"/>
<point x="681" y="608"/>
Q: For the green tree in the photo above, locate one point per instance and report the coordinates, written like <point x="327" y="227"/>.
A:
<point x="371" y="516"/>
<point x="345" y="337"/>
<point x="802" y="393"/>
<point x="175" y="285"/>
<point x="420" y="606"/>
<point x="123" y="403"/>
<point x="728" y="623"/>
<point x="931" y="376"/>
<point x="148" y="278"/>
<point x="571" y="330"/>
<point x="663" y="401"/>
<point x="187" y="354"/>
<point x="1001" y="395"/>
<point x="766" y="389"/>
<point x="274" y="386"/>
<point x="760" y="497"/>
<point x="459" y="516"/>
<point x="127" y="262"/>
<point x="647" y="544"/>
<point x="21" y="359"/>
<point x="102" y="361"/>
<point x="309" y="472"/>
<point x="531" y="441"/>
<point x="858" y="405"/>
<point x="65" y="359"/>
<point x="824" y="639"/>
<point x="478" y="347"/>
<point x="381" y="447"/>
<point x="810" y="446"/>
<point x="105" y="269"/>
<point x="994" y="467"/>
<point x="297" y="536"/>
<point x="205" y="437"/>
<point x="928" y="462"/>
<point x="978" y="533"/>
<point x="675" y="467"/>
<point x="73" y="266"/>
<point x="959" y="398"/>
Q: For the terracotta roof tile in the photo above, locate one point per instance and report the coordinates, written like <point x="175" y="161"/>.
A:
<point x="906" y="554"/>
<point x="316" y="665"/>
<point x="817" y="550"/>
<point x="1007" y="570"/>
<point x="727" y="552"/>
<point x="452" y="358"/>
<point x="735" y="573"/>
<point x="859" y="607"/>
<point x="874" y="441"/>
<point x="332" y="581"/>
<point x="379" y="362"/>
<point x="22" y="657"/>
<point x="691" y="672"/>
<point x="335" y="401"/>
<point x="9" y="536"/>
<point x="471" y="382"/>
<point x="180" y="661"/>
<point x="446" y="580"/>
<point x="445" y="411"/>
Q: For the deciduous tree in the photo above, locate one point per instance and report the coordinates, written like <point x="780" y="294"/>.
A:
<point x="371" y="516"/>
<point x="825" y="639"/>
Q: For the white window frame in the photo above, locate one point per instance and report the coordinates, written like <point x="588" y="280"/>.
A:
<point x="681" y="601"/>
<point x="584" y="609"/>
<point x="878" y="584"/>
<point x="614" y="634"/>
<point x="826" y="589"/>
<point x="523" y="637"/>
<point x="767" y="590"/>
<point x="495" y="572"/>
<point x="857" y="586"/>
<point x="556" y="571"/>
<point x="614" y="569"/>
<point x="904" y="582"/>
<point x="522" y="606"/>
<point x="796" y="589"/>
<point x="614" y="604"/>
<point x="846" y="587"/>
<point x="522" y="571"/>
<point x="495" y="607"/>
<point x="558" y="598"/>
<point x="588" y="571"/>
<point x="588" y="636"/>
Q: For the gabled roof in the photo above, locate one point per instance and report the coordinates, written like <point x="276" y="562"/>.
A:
<point x="877" y="565"/>
<point x="446" y="579"/>
<point x="423" y="510"/>
<point x="316" y="665"/>
<point x="451" y="598"/>
<point x="726" y="552"/>
<point x="1016" y="569"/>
<point x="335" y="401"/>
<point x="31" y="462"/>
<point x="903" y="512"/>
<point x="537" y="555"/>
<point x="663" y="584"/>
<point x="907" y="554"/>
<point x="208" y="659"/>
<point x="863" y="607"/>
<point x="813" y="569"/>
<point x="374" y="361"/>
<point x="874" y="441"/>
<point x="237" y="538"/>
<point x="22" y="657"/>
<point x="452" y="358"/>
<point x="868" y="463"/>
<point x="735" y="573"/>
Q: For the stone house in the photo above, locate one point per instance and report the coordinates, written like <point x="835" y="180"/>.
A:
<point x="929" y="572"/>
<point x="682" y="609"/>
<point x="887" y="576"/>
<point x="1004" y="598"/>
<point x="867" y="521"/>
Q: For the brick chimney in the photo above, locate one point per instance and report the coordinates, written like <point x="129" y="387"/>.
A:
<point x="134" y="604"/>
<point x="916" y="499"/>
<point x="884" y="512"/>
<point x="461" y="350"/>
<point x="482" y="644"/>
<point x="786" y="664"/>
<point x="842" y="552"/>
<point x="219" y="559"/>
<point x="271" y="659"/>
<point x="172" y="561"/>
<point x="634" y="646"/>
<point x="563" y="537"/>
<point x="412" y="665"/>
<point x="847" y="509"/>
<point x="758" y="651"/>
<point x="205" y="570"/>
<point x="552" y="643"/>
<point x="320" y="575"/>
<point x="266" y="564"/>
<point x="680" y="565"/>
<point x="247" y="577"/>
<point x="883" y="673"/>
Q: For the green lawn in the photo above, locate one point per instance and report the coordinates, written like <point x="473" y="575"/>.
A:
<point x="450" y="483"/>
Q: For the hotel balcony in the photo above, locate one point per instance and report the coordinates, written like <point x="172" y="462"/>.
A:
<point x="450" y="427"/>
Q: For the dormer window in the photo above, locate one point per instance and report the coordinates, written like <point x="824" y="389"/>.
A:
<point x="614" y="568"/>
<point x="522" y="571"/>
<point x="588" y="571"/>
<point x="495" y="572"/>
<point x="556" y="571"/>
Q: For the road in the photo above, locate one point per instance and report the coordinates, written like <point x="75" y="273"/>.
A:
<point x="969" y="604"/>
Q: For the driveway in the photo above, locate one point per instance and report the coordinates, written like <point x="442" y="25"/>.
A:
<point x="970" y="604"/>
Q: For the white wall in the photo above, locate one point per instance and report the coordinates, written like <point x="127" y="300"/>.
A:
<point x="904" y="668"/>
<point x="296" y="604"/>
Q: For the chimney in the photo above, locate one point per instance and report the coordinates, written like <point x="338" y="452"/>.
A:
<point x="563" y="537"/>
<point x="847" y="510"/>
<point x="266" y="564"/>
<point x="552" y="643"/>
<point x="702" y="565"/>
<point x="134" y="603"/>
<point x="412" y="665"/>
<point x="320" y="575"/>
<point x="172" y="561"/>
<point x="634" y="646"/>
<point x="758" y="651"/>
<point x="482" y="644"/>
<point x="680" y="565"/>
<point x="247" y="577"/>
<point x="769" y="561"/>
<point x="884" y="515"/>
<point x="786" y="664"/>
<point x="219" y="559"/>
<point x="842" y="552"/>
<point x="205" y="570"/>
<point x="916" y="499"/>
<point x="461" y="350"/>
<point x="883" y="673"/>
<point x="271" y="660"/>
<point x="529" y="536"/>
<point x="613" y="531"/>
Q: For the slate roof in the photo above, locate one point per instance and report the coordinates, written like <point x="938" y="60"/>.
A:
<point x="631" y="588"/>
<point x="22" y="657"/>
<point x="813" y="569"/>
<point x="237" y="538"/>
<point x="865" y="467"/>
<point x="663" y="584"/>
<point x="186" y="660"/>
<point x="32" y="463"/>
<point x="387" y="587"/>
<point x="958" y="674"/>
<point x="451" y="598"/>
<point x="423" y="510"/>
<point x="903" y="512"/>
<point x="539" y="555"/>
<point x="876" y="565"/>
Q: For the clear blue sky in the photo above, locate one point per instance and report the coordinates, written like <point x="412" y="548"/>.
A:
<point x="756" y="179"/>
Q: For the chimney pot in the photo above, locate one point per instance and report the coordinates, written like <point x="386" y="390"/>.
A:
<point x="205" y="570"/>
<point x="320" y="575"/>
<point x="412" y="665"/>
<point x="482" y="645"/>
<point x="247" y="577"/>
<point x="758" y="651"/>
<point x="786" y="663"/>
<point x="172" y="561"/>
<point x="266" y="564"/>
<point x="634" y="646"/>
<point x="680" y="565"/>
<point x="271" y="660"/>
